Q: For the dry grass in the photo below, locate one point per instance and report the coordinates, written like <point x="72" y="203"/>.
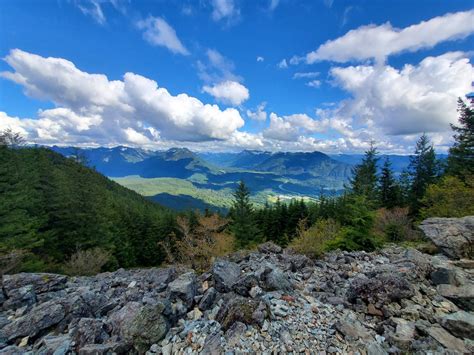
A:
<point x="87" y="262"/>
<point x="313" y="241"/>
<point x="198" y="246"/>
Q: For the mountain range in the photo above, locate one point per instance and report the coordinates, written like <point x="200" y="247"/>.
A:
<point x="180" y="178"/>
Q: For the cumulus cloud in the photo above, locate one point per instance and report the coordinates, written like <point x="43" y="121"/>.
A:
<point x="260" y="59"/>
<point x="378" y="42"/>
<point x="91" y="107"/>
<point x="230" y="92"/>
<point x="289" y="128"/>
<point x="158" y="32"/>
<point x="224" y="10"/>
<point x="259" y="114"/>
<point x="411" y="100"/>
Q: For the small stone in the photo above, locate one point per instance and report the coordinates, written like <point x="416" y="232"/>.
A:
<point x="255" y="291"/>
<point x="24" y="342"/>
<point x="132" y="284"/>
<point x="372" y="310"/>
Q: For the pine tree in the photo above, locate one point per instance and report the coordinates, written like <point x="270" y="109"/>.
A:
<point x="461" y="154"/>
<point x="423" y="171"/>
<point x="242" y="214"/>
<point x="389" y="191"/>
<point x="364" y="181"/>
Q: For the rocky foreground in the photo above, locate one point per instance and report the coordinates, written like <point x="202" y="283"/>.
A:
<point x="396" y="300"/>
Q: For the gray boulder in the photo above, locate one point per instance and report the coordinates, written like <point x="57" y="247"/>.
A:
<point x="226" y="274"/>
<point x="461" y="324"/>
<point x="277" y="280"/>
<point x="207" y="299"/>
<point x="19" y="297"/>
<point x="184" y="288"/>
<point x="244" y="284"/>
<point x="121" y="318"/>
<point x="380" y="289"/>
<point x="444" y="275"/>
<point x="55" y="344"/>
<point x="41" y="282"/>
<point x="239" y="309"/>
<point x="446" y="339"/>
<point x="353" y="329"/>
<point x="453" y="236"/>
<point x="269" y="248"/>
<point x="462" y="296"/>
<point x="39" y="318"/>
<point x="89" y="331"/>
<point x="148" y="327"/>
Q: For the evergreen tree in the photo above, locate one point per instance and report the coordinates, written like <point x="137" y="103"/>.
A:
<point x="364" y="180"/>
<point x="52" y="207"/>
<point x="389" y="191"/>
<point x="242" y="214"/>
<point x="423" y="171"/>
<point x="461" y="154"/>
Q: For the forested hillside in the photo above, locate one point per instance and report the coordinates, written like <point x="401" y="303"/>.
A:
<point x="52" y="206"/>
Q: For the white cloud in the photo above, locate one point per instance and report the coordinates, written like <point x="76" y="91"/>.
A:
<point x="224" y="10"/>
<point x="92" y="108"/>
<point x="289" y="128"/>
<point x="314" y="83"/>
<point x="93" y="8"/>
<point x="378" y="42"/>
<point x="411" y="100"/>
<point x="158" y="32"/>
<point x="260" y="59"/>
<point x="283" y="64"/>
<point x="230" y="92"/>
<point x="306" y="75"/>
<point x="216" y="68"/>
<point x="259" y="114"/>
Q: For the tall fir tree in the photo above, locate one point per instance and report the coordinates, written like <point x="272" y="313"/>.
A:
<point x="364" y="180"/>
<point x="423" y="170"/>
<point x="389" y="190"/>
<point x="242" y="215"/>
<point x="461" y="154"/>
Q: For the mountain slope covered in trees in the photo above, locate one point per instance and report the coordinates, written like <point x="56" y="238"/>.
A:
<point x="53" y="206"/>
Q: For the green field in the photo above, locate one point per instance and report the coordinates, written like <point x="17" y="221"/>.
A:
<point x="220" y="198"/>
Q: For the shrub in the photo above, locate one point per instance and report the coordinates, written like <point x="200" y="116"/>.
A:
<point x="313" y="241"/>
<point x="394" y="225"/>
<point x="358" y="221"/>
<point x="450" y="197"/>
<point x="87" y="262"/>
<point x="198" y="242"/>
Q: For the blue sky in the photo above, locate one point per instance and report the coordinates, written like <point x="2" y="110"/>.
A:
<point x="230" y="75"/>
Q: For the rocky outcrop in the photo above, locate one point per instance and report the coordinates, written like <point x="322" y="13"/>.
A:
<point x="453" y="236"/>
<point x="396" y="300"/>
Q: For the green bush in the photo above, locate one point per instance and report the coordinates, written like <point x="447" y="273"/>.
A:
<point x="313" y="241"/>
<point x="394" y="225"/>
<point x="450" y="197"/>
